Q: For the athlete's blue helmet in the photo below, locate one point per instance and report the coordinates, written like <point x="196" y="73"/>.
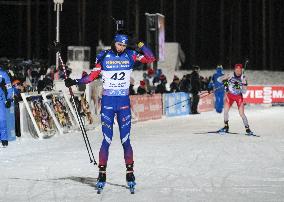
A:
<point x="121" y="38"/>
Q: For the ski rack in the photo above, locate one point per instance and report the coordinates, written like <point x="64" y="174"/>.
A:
<point x="31" y="99"/>
<point x="66" y="123"/>
<point x="88" y="126"/>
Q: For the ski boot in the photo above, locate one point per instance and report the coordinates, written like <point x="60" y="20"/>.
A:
<point x="130" y="178"/>
<point x="101" y="181"/>
<point x="249" y="132"/>
<point x="224" y="130"/>
<point x="4" y="143"/>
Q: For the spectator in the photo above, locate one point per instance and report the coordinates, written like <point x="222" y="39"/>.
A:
<point x="27" y="87"/>
<point x="204" y="81"/>
<point x="161" y="88"/>
<point x="131" y="87"/>
<point x="46" y="84"/>
<point x="142" y="88"/>
<point x="18" y="89"/>
<point x="29" y="77"/>
<point x="157" y="76"/>
<point x="6" y="96"/>
<point x="195" y="89"/>
<point x="150" y="74"/>
<point x="218" y="88"/>
<point x="185" y="84"/>
<point x="147" y="82"/>
<point x="175" y="85"/>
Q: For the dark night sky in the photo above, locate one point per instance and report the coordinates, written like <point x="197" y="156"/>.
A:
<point x="199" y="28"/>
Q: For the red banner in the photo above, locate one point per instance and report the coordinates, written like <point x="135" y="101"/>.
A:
<point x="264" y="94"/>
<point x="146" y="107"/>
<point x="206" y="102"/>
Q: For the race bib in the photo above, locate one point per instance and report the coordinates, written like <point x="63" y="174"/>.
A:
<point x="116" y="80"/>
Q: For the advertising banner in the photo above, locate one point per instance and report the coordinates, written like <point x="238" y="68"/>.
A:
<point x="161" y="28"/>
<point x="264" y="94"/>
<point x="176" y="104"/>
<point x="206" y="102"/>
<point x="146" y="107"/>
<point x="10" y="117"/>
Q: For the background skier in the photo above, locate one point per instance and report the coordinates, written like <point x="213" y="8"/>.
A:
<point x="236" y="85"/>
<point x="218" y="88"/>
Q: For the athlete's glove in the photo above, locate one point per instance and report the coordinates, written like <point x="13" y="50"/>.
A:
<point x="140" y="44"/>
<point x="70" y="82"/>
<point x="8" y="103"/>
<point x="226" y="83"/>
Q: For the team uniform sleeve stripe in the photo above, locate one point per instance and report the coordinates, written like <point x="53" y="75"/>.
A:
<point x="90" y="77"/>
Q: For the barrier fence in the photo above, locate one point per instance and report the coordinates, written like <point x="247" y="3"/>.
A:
<point x="176" y="104"/>
<point x="264" y="94"/>
<point x="206" y="102"/>
<point x="146" y="107"/>
<point x="43" y="115"/>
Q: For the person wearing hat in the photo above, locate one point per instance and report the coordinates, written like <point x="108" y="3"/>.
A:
<point x="195" y="89"/>
<point x="115" y="66"/>
<point x="218" y="88"/>
<point x="6" y="97"/>
<point x="141" y="90"/>
<point x="235" y="85"/>
<point x="17" y="90"/>
<point x="175" y="85"/>
<point x="161" y="87"/>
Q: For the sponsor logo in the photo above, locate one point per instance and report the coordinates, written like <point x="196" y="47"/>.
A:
<point x="117" y="62"/>
<point x="264" y="94"/>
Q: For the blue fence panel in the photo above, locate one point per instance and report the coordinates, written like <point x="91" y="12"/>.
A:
<point x="10" y="116"/>
<point x="176" y="104"/>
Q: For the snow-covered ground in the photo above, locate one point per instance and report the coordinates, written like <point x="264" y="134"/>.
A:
<point x="172" y="163"/>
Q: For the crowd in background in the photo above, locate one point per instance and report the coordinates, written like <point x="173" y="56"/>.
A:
<point x="31" y="76"/>
<point x="37" y="76"/>
<point x="156" y="82"/>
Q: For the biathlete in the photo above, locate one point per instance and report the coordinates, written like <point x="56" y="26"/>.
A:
<point x="235" y="85"/>
<point x="115" y="66"/>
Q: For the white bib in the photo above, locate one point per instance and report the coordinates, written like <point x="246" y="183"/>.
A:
<point x="116" y="80"/>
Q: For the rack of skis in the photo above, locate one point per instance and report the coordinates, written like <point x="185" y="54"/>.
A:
<point x="48" y="113"/>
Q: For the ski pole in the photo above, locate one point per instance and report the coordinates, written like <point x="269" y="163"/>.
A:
<point x="213" y="91"/>
<point x="83" y="130"/>
<point x="245" y="66"/>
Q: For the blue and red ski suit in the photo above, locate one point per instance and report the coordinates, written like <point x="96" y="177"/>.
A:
<point x="115" y="69"/>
